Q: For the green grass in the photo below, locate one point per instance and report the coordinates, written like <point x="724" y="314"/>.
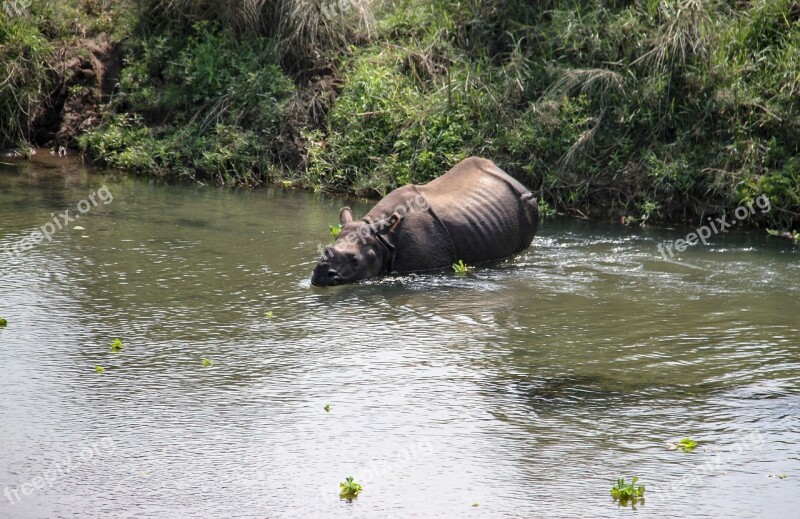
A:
<point x="642" y="111"/>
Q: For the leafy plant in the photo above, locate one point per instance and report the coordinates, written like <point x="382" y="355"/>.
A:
<point x="335" y="230"/>
<point x="686" y="445"/>
<point x="327" y="408"/>
<point x="3" y="323"/>
<point x="207" y="362"/>
<point x="627" y="492"/>
<point x="461" y="268"/>
<point x="99" y="369"/>
<point x="116" y="345"/>
<point x="793" y="235"/>
<point x="269" y="314"/>
<point x="349" y="489"/>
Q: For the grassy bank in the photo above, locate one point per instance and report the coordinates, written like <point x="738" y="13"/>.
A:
<point x="647" y="111"/>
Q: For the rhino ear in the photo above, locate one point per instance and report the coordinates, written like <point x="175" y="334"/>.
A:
<point x="345" y="215"/>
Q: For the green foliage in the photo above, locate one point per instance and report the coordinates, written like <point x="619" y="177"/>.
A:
<point x="335" y="230"/>
<point x="460" y="268"/>
<point x="116" y="345"/>
<point x="207" y="363"/>
<point x="269" y="314"/>
<point x="605" y="108"/>
<point x="3" y="323"/>
<point x="99" y="369"/>
<point x="225" y="101"/>
<point x="686" y="445"/>
<point x="34" y="46"/>
<point x="349" y="489"/>
<point x="647" y="111"/>
<point x="628" y="492"/>
<point x="328" y="409"/>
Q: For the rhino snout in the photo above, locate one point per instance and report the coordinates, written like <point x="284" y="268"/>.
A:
<point x="324" y="276"/>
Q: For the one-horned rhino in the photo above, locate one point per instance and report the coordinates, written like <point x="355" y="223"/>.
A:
<point x="475" y="212"/>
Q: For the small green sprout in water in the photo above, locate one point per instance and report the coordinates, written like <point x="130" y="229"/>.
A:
<point x="327" y="408"/>
<point x="335" y="230"/>
<point x="686" y="445"/>
<point x="460" y="268"/>
<point x="349" y="489"/>
<point x="207" y="362"/>
<point x="269" y="314"/>
<point x="3" y="323"/>
<point x="116" y="345"/>
<point x="627" y="492"/>
<point x="99" y="369"/>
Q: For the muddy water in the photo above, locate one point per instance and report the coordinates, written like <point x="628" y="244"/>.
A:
<point x="526" y="389"/>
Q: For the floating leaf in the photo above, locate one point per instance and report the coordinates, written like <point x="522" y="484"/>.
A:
<point x="686" y="445"/>
<point x="3" y="323"/>
<point x="476" y="504"/>
<point x="116" y="345"/>
<point x="335" y="230"/>
<point x="99" y="369"/>
<point x="327" y="408"/>
<point x="207" y="362"/>
<point x="349" y="489"/>
<point x="269" y="314"/>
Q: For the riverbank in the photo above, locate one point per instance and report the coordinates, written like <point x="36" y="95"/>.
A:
<point x="645" y="113"/>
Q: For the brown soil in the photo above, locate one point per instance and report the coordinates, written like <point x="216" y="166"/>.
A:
<point x="86" y="76"/>
<point x="317" y="89"/>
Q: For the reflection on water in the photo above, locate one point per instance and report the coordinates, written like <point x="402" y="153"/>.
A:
<point x="527" y="388"/>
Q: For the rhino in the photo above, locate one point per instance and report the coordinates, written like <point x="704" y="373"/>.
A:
<point x="475" y="212"/>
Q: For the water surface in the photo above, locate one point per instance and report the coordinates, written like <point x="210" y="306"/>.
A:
<point x="527" y="388"/>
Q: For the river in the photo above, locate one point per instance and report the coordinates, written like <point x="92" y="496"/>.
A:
<point x="523" y="390"/>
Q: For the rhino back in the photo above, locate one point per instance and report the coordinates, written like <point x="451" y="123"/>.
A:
<point x="475" y="214"/>
<point x="483" y="210"/>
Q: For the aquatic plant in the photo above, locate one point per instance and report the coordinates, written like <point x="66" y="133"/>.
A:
<point x="327" y="408"/>
<point x="3" y="323"/>
<point x="207" y="362"/>
<point x="349" y="489"/>
<point x="116" y="345"/>
<point x="627" y="492"/>
<point x="461" y="268"/>
<point x="99" y="369"/>
<point x="335" y="230"/>
<point x="269" y="314"/>
<point x="686" y="445"/>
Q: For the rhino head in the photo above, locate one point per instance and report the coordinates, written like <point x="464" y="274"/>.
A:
<point x="361" y="250"/>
